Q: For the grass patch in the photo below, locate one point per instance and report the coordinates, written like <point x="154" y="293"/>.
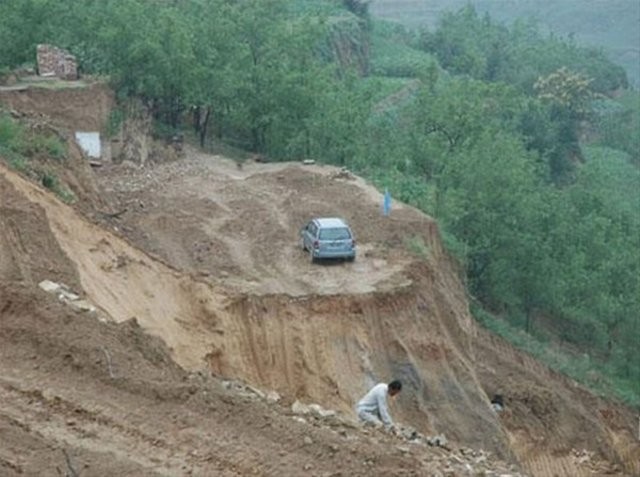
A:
<point x="18" y="145"/>
<point x="456" y="248"/>
<point x="19" y="164"/>
<point x="18" y="141"/>
<point x="11" y="134"/>
<point x="48" y="145"/>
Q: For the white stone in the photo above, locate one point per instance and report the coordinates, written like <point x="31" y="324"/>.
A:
<point x="320" y="411"/>
<point x="404" y="450"/>
<point x="299" y="408"/>
<point x="83" y="305"/>
<point x="65" y="295"/>
<point x="439" y="441"/>
<point x="273" y="396"/>
<point x="49" y="286"/>
<point x="256" y="391"/>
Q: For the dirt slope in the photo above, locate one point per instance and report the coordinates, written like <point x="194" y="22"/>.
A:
<point x="110" y="399"/>
<point x="205" y="259"/>
<point x="151" y="418"/>
<point x="326" y="333"/>
<point x="204" y="256"/>
<point x="83" y="108"/>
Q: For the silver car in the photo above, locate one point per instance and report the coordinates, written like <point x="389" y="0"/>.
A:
<point x="328" y="238"/>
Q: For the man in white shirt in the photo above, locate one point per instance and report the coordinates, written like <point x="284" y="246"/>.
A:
<point x="373" y="408"/>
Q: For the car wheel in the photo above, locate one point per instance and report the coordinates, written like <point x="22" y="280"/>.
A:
<point x="313" y="259"/>
<point x="302" y="245"/>
<point x="351" y="259"/>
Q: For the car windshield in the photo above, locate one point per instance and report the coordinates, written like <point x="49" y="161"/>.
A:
<point x="335" y="234"/>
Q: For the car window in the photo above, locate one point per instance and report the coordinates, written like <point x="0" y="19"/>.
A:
<point x="335" y="234"/>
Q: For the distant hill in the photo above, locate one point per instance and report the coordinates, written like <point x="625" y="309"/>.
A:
<point x="613" y="25"/>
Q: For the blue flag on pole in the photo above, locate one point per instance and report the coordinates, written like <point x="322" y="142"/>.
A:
<point x="386" y="203"/>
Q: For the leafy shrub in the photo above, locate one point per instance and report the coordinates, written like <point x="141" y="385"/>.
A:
<point x="11" y="134"/>
<point x="116" y="118"/>
<point x="162" y="130"/>
<point x="18" y="163"/>
<point x="51" y="182"/>
<point x="617" y="124"/>
<point x="48" y="145"/>
<point x="16" y="141"/>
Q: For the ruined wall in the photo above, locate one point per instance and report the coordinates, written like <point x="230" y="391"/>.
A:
<point x="54" y="61"/>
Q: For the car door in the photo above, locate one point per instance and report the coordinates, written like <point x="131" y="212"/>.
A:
<point x="308" y="235"/>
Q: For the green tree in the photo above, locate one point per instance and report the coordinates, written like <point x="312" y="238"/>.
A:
<point x="452" y="115"/>
<point x="570" y="97"/>
<point x="467" y="43"/>
<point x="460" y="42"/>
<point x="617" y="123"/>
<point x="338" y="124"/>
<point x="216" y="69"/>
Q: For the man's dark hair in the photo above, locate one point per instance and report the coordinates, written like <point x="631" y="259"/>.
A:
<point x="498" y="399"/>
<point x="395" y="385"/>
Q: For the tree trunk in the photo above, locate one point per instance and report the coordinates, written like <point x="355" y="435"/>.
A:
<point x="204" y="127"/>
<point x="196" y="119"/>
<point x="529" y="309"/>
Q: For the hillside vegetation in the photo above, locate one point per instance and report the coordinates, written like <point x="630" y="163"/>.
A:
<point x="512" y="139"/>
<point x="610" y="25"/>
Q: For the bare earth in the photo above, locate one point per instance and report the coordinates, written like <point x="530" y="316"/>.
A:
<point x="199" y="284"/>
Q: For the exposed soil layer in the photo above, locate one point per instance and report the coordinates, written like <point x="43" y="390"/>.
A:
<point x="85" y="108"/>
<point x="111" y="398"/>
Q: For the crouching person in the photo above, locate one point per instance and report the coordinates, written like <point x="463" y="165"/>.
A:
<point x="373" y="407"/>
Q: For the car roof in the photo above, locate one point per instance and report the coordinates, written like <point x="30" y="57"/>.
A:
<point x="330" y="222"/>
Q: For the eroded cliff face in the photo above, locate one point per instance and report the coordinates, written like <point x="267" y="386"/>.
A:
<point x="331" y="349"/>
